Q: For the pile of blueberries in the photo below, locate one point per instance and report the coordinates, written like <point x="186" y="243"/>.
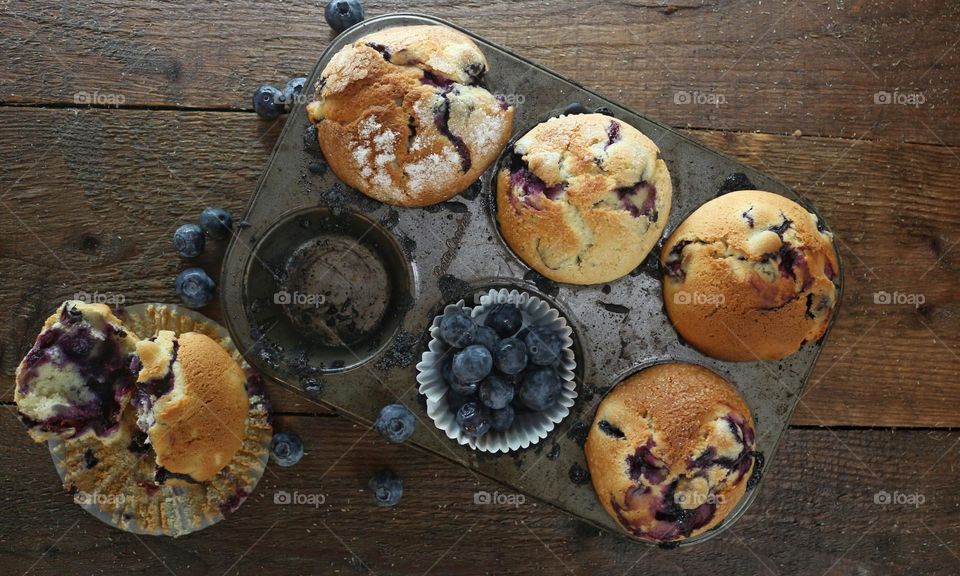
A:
<point x="498" y="369"/>
<point x="194" y="286"/>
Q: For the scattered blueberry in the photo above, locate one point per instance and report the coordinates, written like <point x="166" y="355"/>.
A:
<point x="342" y="14"/>
<point x="286" y="449"/>
<point x="505" y="319"/>
<point x="188" y="241"/>
<point x="386" y="487"/>
<point x="292" y="91"/>
<point x="543" y="346"/>
<point x="486" y="337"/>
<point x="510" y="356"/>
<point x="216" y="222"/>
<point x="502" y="419"/>
<point x="195" y="287"/>
<point x="457" y="329"/>
<point x="474" y="419"/>
<point x="395" y="423"/>
<point x="495" y="392"/>
<point x="268" y="102"/>
<point x="540" y="389"/>
<point x="472" y="364"/>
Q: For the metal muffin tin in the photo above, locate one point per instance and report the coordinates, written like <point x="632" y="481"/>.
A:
<point x="430" y="257"/>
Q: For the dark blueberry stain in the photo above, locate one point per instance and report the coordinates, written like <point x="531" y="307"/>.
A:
<point x="675" y="258"/>
<point x="431" y="79"/>
<point x="614" y="308"/>
<point x="475" y="72"/>
<point x="89" y="459"/>
<point x="554" y="452"/>
<point x="643" y="464"/>
<point x="442" y="122"/>
<point x="781" y="228"/>
<point x="578" y="474"/>
<point x="610" y="430"/>
<point x="613" y="134"/>
<point x="748" y="216"/>
<point x="606" y="289"/>
<point x="757" y="474"/>
<point x="604" y="110"/>
<point x="579" y="432"/>
<point x="734" y="182"/>
<point x="383" y="50"/>
<point x="532" y="187"/>
<point x="647" y="208"/>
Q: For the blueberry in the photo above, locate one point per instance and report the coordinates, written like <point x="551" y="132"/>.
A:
<point x="457" y="329"/>
<point x="505" y="319"/>
<point x="216" y="222"/>
<point x="188" y="241"/>
<point x="455" y="400"/>
<point x="457" y="385"/>
<point x="472" y="364"/>
<point x="195" y="287"/>
<point x="292" y="91"/>
<point x="386" y="487"/>
<point x="486" y="337"/>
<point x="474" y="419"/>
<point x="540" y="389"/>
<point x="495" y="392"/>
<point x="395" y="423"/>
<point x="502" y="419"/>
<point x="342" y="14"/>
<point x="268" y="102"/>
<point x="510" y="356"/>
<point x="286" y="449"/>
<point x="543" y="346"/>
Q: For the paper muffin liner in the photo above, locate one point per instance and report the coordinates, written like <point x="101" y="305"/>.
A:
<point x="528" y="427"/>
<point x="116" y="490"/>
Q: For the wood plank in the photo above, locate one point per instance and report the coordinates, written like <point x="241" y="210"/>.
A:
<point x="773" y="66"/>
<point x="96" y="212"/>
<point x="818" y="500"/>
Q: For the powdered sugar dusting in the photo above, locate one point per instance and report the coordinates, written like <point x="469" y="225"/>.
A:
<point x="384" y="150"/>
<point x="485" y="133"/>
<point x="432" y="168"/>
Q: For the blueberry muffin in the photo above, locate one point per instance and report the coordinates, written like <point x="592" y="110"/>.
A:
<point x="750" y="275"/>
<point x="77" y="377"/>
<point x="191" y="402"/>
<point x="582" y="199"/>
<point x="160" y="436"/>
<point x="402" y="115"/>
<point x="671" y="452"/>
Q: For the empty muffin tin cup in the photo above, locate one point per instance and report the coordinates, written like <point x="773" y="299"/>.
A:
<point x="528" y="427"/>
<point x="331" y="284"/>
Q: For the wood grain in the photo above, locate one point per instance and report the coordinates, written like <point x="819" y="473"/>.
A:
<point x="820" y="501"/>
<point x="92" y="197"/>
<point x="773" y="66"/>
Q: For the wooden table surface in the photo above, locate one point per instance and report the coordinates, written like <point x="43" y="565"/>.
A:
<point x="850" y="102"/>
